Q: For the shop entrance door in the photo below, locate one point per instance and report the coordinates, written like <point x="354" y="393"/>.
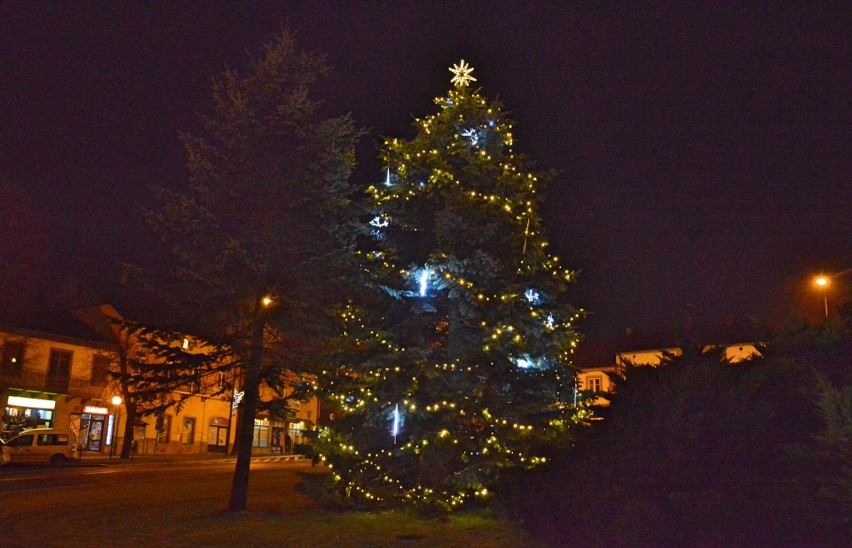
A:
<point x="92" y="431"/>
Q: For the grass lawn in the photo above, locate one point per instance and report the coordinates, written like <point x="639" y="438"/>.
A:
<point x="352" y="529"/>
<point x="191" y="512"/>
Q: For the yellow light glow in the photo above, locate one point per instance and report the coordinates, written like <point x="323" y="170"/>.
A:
<point x="32" y="403"/>
<point x="821" y="281"/>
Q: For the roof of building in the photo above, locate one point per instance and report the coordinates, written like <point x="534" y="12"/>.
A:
<point x="62" y="323"/>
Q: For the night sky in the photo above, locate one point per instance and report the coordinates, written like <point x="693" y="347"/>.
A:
<point x="703" y="153"/>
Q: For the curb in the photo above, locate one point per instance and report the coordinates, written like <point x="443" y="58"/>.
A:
<point x="196" y="459"/>
<point x="277" y="458"/>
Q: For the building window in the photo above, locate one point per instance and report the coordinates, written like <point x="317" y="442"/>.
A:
<point x="100" y="370"/>
<point x="261" y="433"/>
<point x="13" y="358"/>
<point x="59" y="370"/>
<point x="164" y="426"/>
<point x="187" y="432"/>
<point x="594" y="384"/>
<point x="139" y="437"/>
<point x="217" y="433"/>
<point x="18" y="419"/>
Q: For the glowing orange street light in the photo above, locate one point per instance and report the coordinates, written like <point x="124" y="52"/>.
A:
<point x="823" y="282"/>
<point x="266" y="301"/>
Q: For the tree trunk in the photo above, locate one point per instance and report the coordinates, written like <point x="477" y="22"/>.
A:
<point x="129" y="426"/>
<point x="236" y="425"/>
<point x="245" y="427"/>
<point x="454" y="334"/>
<point x="236" y="422"/>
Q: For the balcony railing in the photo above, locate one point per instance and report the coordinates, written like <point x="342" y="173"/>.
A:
<point x="71" y="386"/>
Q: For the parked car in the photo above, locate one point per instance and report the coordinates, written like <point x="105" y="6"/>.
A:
<point x="4" y="453"/>
<point x="43" y="445"/>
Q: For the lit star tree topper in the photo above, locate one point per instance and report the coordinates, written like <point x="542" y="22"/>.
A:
<point x="462" y="72"/>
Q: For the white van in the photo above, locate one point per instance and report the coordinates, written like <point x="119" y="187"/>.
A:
<point x="43" y="445"/>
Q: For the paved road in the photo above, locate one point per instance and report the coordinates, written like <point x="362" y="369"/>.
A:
<point x="136" y="504"/>
<point x="89" y="473"/>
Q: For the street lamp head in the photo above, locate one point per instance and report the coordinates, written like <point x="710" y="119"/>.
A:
<point x="821" y="281"/>
<point x="116" y="400"/>
<point x="266" y="301"/>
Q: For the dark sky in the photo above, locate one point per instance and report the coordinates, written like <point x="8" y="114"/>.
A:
<point x="704" y="153"/>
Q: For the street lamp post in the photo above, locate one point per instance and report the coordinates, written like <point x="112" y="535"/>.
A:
<point x="116" y="402"/>
<point x="822" y="281"/>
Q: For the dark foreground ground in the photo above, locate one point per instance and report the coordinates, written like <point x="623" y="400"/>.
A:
<point x="183" y="504"/>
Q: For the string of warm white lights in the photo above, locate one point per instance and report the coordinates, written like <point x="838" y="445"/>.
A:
<point x="466" y="371"/>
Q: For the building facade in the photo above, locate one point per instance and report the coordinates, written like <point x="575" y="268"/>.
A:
<point x="61" y="381"/>
<point x="55" y="381"/>
<point x="597" y="379"/>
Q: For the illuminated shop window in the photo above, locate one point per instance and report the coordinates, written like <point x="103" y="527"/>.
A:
<point x="261" y="433"/>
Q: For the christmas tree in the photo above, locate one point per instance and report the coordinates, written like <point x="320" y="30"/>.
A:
<point x="458" y="361"/>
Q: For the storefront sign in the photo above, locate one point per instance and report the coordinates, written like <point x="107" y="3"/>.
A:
<point x="95" y="410"/>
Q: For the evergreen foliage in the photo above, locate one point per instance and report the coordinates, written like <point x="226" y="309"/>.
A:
<point x="254" y="238"/>
<point x="698" y="451"/>
<point x="454" y="364"/>
<point x="832" y="459"/>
